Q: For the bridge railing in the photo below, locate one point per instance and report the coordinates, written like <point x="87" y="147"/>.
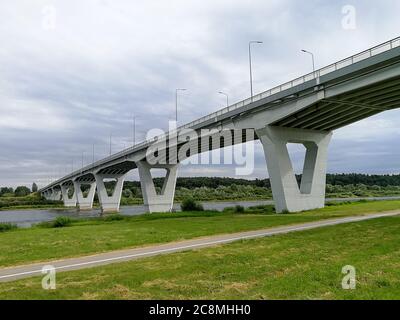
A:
<point x="308" y="77"/>
<point x="288" y="85"/>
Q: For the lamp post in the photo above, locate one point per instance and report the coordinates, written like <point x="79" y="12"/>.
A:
<point x="227" y="97"/>
<point x="251" y="72"/>
<point x="312" y="57"/>
<point x="176" y="104"/>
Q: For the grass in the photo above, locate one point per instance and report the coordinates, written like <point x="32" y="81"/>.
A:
<point x="83" y="237"/>
<point x="7" y="227"/>
<point x="301" y="265"/>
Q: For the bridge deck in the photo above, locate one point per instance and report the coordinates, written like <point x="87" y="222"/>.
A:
<point x="327" y="114"/>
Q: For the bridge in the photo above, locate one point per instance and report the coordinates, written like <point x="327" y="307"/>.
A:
<point x="306" y="111"/>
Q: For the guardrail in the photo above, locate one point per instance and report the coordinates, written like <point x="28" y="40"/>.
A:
<point x="298" y="81"/>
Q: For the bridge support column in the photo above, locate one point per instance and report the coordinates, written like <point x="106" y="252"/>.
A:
<point x="46" y="194"/>
<point x="109" y="203"/>
<point x="56" y="195"/>
<point x="285" y="190"/>
<point x="84" y="203"/>
<point x="68" y="202"/>
<point x="154" y="202"/>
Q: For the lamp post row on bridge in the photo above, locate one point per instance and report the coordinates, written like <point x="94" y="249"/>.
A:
<point x="183" y="89"/>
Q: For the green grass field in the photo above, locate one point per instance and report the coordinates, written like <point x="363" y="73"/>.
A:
<point x="301" y="265"/>
<point x="23" y="246"/>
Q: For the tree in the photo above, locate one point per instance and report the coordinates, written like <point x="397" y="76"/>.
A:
<point x="22" y="191"/>
<point x="34" y="187"/>
<point x="5" y="190"/>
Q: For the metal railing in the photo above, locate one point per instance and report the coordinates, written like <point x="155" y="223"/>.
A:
<point x="288" y="85"/>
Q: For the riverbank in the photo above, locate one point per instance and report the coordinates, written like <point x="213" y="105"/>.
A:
<point x="113" y="232"/>
<point x="29" y="217"/>
<point x="303" y="265"/>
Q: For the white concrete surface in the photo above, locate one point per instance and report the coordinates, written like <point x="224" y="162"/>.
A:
<point x="68" y="202"/>
<point x="109" y="203"/>
<point x="84" y="203"/>
<point x="286" y="192"/>
<point x="154" y="202"/>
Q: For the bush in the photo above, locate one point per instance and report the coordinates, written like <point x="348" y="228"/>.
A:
<point x="239" y="209"/>
<point x="7" y="227"/>
<point x="263" y="209"/>
<point x="189" y="204"/>
<point x="114" y="217"/>
<point x="22" y="191"/>
<point x="61" y="222"/>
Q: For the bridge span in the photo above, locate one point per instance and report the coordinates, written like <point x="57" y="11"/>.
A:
<point x="306" y="110"/>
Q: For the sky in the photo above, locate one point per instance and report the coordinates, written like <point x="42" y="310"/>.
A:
<point x="72" y="73"/>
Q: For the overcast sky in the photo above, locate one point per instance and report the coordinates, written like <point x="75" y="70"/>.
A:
<point x="72" y="72"/>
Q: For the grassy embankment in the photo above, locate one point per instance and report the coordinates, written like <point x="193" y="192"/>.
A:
<point x="114" y="232"/>
<point x="301" y="265"/>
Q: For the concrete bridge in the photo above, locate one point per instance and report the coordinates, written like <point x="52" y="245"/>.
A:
<point x="306" y="111"/>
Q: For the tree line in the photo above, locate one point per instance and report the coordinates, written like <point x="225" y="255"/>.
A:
<point x="343" y="179"/>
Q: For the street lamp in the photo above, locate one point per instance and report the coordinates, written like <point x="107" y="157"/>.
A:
<point x="227" y="97"/>
<point x="251" y="73"/>
<point x="312" y="57"/>
<point x="176" y="104"/>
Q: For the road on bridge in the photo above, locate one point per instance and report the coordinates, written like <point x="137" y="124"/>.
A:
<point x="24" y="271"/>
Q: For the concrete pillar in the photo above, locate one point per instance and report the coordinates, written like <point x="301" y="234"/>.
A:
<point x="67" y="201"/>
<point x="285" y="190"/>
<point x="46" y="194"/>
<point x="56" y="195"/>
<point x="84" y="203"/>
<point x="154" y="202"/>
<point x="109" y="203"/>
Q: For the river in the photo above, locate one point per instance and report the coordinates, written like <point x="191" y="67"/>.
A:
<point x="29" y="217"/>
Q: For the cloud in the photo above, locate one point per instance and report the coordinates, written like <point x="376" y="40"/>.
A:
<point x="73" y="72"/>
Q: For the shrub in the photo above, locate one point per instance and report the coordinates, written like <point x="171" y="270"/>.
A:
<point x="22" y="191"/>
<point x="114" y="217"/>
<point x="61" y="222"/>
<point x="7" y="227"/>
<point x="239" y="209"/>
<point x="189" y="204"/>
<point x="261" y="209"/>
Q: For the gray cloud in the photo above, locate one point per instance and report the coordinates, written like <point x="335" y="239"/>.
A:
<point x="65" y="89"/>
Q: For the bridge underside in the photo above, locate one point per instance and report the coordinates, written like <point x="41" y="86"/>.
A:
<point x="305" y="112"/>
<point x="339" y="111"/>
